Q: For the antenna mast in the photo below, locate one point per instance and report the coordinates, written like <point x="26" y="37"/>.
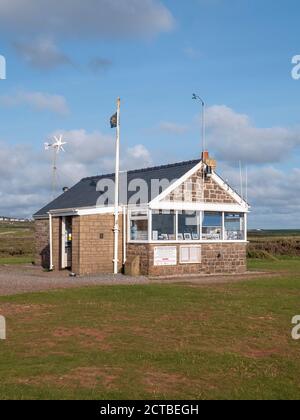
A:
<point x="198" y="98"/>
<point x="241" y="180"/>
<point x="57" y="146"/>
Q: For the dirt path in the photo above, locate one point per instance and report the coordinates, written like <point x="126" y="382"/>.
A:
<point x="26" y="278"/>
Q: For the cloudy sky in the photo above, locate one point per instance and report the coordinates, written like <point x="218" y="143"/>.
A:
<point x="68" y="60"/>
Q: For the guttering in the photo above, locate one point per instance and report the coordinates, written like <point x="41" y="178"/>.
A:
<point x="188" y="206"/>
<point x="124" y="236"/>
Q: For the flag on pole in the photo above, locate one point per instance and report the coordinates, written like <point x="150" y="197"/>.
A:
<point x="114" y="121"/>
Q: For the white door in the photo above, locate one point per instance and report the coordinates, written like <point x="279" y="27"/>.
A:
<point x="66" y="242"/>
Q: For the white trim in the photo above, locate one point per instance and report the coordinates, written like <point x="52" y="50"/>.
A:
<point x="246" y="227"/>
<point x="230" y="208"/>
<point x="63" y="213"/>
<point x="239" y="200"/>
<point x="198" y="246"/>
<point x="229" y="190"/>
<point x="51" y="242"/>
<point x="124" y="235"/>
<point x="188" y="242"/>
<point x="62" y="243"/>
<point x="149" y="224"/>
<point x="176" y="184"/>
<point x="223" y="226"/>
<point x="95" y="211"/>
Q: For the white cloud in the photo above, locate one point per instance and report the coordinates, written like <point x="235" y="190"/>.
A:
<point x="25" y="174"/>
<point x="136" y="155"/>
<point x="233" y="137"/>
<point x="38" y="100"/>
<point x="173" y="128"/>
<point x="274" y="194"/>
<point x="90" y="18"/>
<point x="42" y="53"/>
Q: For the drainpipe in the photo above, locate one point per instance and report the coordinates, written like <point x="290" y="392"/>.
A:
<point x="50" y="242"/>
<point x="124" y="235"/>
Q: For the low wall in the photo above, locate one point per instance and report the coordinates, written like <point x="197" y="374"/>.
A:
<point x="216" y="259"/>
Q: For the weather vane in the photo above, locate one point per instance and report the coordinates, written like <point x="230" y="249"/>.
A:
<point x="57" y="147"/>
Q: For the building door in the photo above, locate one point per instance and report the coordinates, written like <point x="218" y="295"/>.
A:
<point x="66" y="242"/>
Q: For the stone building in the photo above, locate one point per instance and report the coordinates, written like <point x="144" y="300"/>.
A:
<point x="177" y="219"/>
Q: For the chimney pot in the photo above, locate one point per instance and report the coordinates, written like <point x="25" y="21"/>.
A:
<point x="205" y="156"/>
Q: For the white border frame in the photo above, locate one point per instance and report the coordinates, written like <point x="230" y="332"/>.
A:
<point x="199" y="246"/>
<point x="192" y="242"/>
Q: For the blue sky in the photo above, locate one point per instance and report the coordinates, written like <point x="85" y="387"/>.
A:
<point x="64" y="76"/>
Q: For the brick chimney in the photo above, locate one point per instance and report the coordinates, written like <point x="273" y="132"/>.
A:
<point x="205" y="156"/>
<point x="208" y="161"/>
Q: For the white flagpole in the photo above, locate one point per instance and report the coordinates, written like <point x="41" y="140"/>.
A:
<point x="116" y="227"/>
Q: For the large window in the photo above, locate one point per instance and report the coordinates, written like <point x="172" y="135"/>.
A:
<point x="139" y="226"/>
<point x="188" y="226"/>
<point x="212" y="226"/>
<point x="163" y="226"/>
<point x="234" y="227"/>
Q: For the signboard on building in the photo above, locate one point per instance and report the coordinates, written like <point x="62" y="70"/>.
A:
<point x="165" y="255"/>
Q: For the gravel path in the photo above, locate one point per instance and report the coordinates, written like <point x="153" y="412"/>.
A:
<point x="26" y="278"/>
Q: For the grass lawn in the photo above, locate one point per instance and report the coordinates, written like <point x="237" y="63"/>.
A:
<point x="154" y="341"/>
<point x="282" y="264"/>
<point x="15" y="260"/>
<point x="16" y="243"/>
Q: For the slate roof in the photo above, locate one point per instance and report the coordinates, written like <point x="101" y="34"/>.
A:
<point x="84" y="193"/>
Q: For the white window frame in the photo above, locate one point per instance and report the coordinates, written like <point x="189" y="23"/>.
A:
<point x="184" y="242"/>
<point x="190" y="246"/>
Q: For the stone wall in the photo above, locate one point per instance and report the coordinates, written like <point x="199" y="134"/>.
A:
<point x="192" y="191"/>
<point x="216" y="259"/>
<point x="92" y="245"/>
<point x="42" y="244"/>
<point x="42" y="248"/>
<point x="96" y="244"/>
<point x="92" y="250"/>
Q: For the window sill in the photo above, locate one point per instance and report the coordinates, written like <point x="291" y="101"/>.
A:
<point x="189" y="242"/>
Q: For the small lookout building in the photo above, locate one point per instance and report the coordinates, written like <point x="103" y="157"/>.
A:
<point x="177" y="219"/>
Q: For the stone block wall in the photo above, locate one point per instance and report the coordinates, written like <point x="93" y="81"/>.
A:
<point x="92" y="244"/>
<point x="216" y="259"/>
<point x="96" y="244"/>
<point x="192" y="191"/>
<point x="42" y="244"/>
<point x="92" y="250"/>
<point x="42" y="248"/>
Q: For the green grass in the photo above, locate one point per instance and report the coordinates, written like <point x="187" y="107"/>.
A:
<point x="231" y="341"/>
<point x="15" y="260"/>
<point x="16" y="242"/>
<point x="287" y="264"/>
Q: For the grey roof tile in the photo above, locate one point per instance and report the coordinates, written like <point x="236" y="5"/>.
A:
<point x="84" y="194"/>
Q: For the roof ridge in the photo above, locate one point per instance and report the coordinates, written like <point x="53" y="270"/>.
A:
<point x="148" y="169"/>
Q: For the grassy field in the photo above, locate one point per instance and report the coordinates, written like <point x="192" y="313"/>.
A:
<point x="231" y="341"/>
<point x="16" y="243"/>
<point x="181" y="341"/>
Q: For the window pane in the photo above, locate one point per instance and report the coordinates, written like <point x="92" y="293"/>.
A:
<point x="188" y="225"/>
<point x="212" y="226"/>
<point x="139" y="230"/>
<point x="234" y="227"/>
<point x="163" y="226"/>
